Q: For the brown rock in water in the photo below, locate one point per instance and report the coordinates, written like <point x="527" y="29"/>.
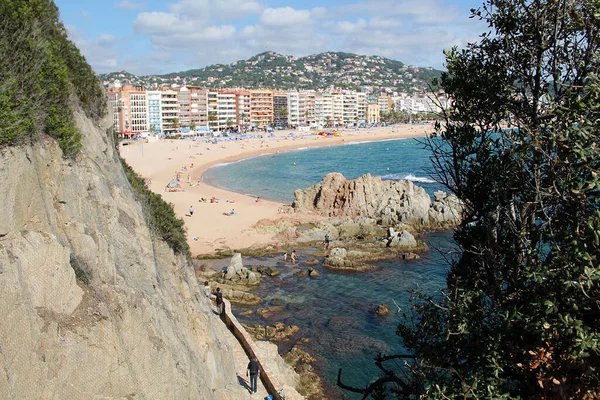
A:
<point x="382" y="310"/>
<point x="391" y="202"/>
<point x="312" y="273"/>
<point x="276" y="332"/>
<point x="310" y="383"/>
<point x="302" y="272"/>
<point x="268" y="312"/>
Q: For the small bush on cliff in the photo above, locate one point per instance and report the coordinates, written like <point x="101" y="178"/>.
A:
<point x="159" y="214"/>
<point x="42" y="72"/>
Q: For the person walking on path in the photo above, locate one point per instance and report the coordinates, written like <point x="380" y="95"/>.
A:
<point x="207" y="291"/>
<point x="191" y="211"/>
<point x="253" y="369"/>
<point x="219" y="296"/>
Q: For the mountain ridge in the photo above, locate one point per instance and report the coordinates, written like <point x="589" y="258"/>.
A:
<point x="318" y="71"/>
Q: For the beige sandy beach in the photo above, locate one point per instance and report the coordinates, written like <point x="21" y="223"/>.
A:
<point x="208" y="229"/>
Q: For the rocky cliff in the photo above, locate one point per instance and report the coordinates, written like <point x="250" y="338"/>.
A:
<point x="91" y="305"/>
<point x="389" y="202"/>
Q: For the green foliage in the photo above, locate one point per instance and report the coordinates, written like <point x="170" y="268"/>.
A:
<point x="270" y="70"/>
<point x="160" y="215"/>
<point x="42" y="73"/>
<point x="520" y="317"/>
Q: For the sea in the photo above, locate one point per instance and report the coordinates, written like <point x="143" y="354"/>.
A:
<point x="335" y="311"/>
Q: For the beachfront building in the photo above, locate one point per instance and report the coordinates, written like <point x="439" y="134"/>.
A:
<point x="280" y="109"/>
<point x="198" y="107"/>
<point x="213" y="110"/>
<point x="373" y="113"/>
<point x="242" y="106"/>
<point x="185" y="111"/>
<point x="338" y="108"/>
<point x="327" y="109"/>
<point x="154" y="112"/>
<point x="361" y="99"/>
<point x="169" y="112"/>
<point x="350" y="111"/>
<point x="130" y="113"/>
<point x="261" y="108"/>
<point x="296" y="109"/>
<point x="226" y="110"/>
<point x="386" y="103"/>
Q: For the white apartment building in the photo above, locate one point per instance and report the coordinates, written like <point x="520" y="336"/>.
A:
<point x="226" y="111"/>
<point x="338" y="108"/>
<point x="169" y="112"/>
<point x="327" y="109"/>
<point x="350" y="108"/>
<point x="154" y="110"/>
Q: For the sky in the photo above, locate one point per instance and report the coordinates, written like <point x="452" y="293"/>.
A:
<point x="147" y="37"/>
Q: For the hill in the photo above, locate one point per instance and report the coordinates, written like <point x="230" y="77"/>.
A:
<point x="319" y="71"/>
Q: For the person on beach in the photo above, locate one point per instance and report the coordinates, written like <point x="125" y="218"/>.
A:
<point x="219" y="297"/>
<point x="326" y="241"/>
<point x="191" y="211"/>
<point x="253" y="369"/>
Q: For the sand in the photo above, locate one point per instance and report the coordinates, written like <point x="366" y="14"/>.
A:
<point x="208" y="229"/>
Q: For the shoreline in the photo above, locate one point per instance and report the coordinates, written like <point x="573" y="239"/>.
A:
<point x="209" y="229"/>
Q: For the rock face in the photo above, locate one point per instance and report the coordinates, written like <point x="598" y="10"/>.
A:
<point x="91" y="305"/>
<point x="388" y="202"/>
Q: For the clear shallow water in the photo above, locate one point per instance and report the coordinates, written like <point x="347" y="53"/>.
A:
<point x="277" y="176"/>
<point x="335" y="310"/>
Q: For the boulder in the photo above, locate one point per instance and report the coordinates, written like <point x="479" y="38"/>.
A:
<point x="402" y="239"/>
<point x="382" y="310"/>
<point x="238" y="274"/>
<point x="312" y="273"/>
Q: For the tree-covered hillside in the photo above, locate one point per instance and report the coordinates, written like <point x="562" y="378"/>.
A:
<point x="42" y="73"/>
<point x="319" y="71"/>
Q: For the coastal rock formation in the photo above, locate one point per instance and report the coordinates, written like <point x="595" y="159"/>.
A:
<point x="388" y="202"/>
<point x="92" y="305"/>
<point x="402" y="239"/>
<point x="343" y="260"/>
<point x="309" y="383"/>
<point x="275" y="332"/>
<point x="238" y="274"/>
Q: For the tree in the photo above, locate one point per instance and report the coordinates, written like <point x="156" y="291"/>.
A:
<point x="520" y="317"/>
<point x="192" y="126"/>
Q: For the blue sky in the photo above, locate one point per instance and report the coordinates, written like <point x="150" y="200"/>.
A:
<point x="155" y="37"/>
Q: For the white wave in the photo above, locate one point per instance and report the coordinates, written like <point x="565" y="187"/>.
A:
<point x="408" y="177"/>
<point x="423" y="179"/>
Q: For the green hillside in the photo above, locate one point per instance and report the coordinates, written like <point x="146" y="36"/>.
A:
<point x="43" y="73"/>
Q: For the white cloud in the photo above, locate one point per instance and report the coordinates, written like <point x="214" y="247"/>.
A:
<point x="284" y="16"/>
<point x="196" y="33"/>
<point x="129" y="5"/>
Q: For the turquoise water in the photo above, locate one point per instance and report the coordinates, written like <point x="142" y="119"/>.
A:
<point x="277" y="176"/>
<point x="335" y="310"/>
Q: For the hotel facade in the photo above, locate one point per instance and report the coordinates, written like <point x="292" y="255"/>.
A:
<point x="171" y="110"/>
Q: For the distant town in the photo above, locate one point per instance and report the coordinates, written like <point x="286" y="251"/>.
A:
<point x="194" y="102"/>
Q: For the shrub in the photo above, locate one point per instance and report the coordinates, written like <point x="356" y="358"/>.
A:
<point x="159" y="214"/>
<point x="42" y="72"/>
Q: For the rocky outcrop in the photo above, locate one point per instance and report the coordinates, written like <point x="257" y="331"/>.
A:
<point x="388" y="202"/>
<point x="275" y="332"/>
<point x="343" y="260"/>
<point x="237" y="274"/>
<point x="92" y="306"/>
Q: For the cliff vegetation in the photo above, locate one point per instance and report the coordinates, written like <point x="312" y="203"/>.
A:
<point x="43" y="73"/>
